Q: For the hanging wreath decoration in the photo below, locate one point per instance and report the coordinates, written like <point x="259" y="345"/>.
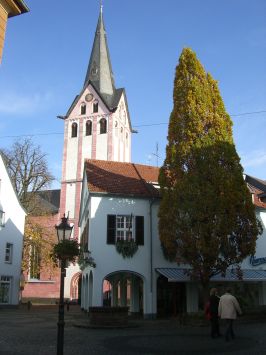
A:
<point x="126" y="247"/>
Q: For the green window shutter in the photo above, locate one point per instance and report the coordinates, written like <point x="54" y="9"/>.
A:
<point x="139" y="230"/>
<point x="111" y="228"/>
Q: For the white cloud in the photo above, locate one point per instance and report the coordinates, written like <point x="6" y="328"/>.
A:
<point x="17" y="103"/>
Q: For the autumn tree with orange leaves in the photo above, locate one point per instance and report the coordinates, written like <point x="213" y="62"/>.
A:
<point x="206" y="217"/>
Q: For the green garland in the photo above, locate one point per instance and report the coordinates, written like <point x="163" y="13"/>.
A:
<point x="126" y="247"/>
<point x="66" y="250"/>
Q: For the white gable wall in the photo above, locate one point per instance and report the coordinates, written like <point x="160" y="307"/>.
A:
<point x="11" y="233"/>
<point x="106" y="257"/>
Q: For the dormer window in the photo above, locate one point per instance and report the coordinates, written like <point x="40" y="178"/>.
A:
<point x="103" y="126"/>
<point x="88" y="128"/>
<point x="83" y="109"/>
<point x="95" y="106"/>
<point x="74" y="130"/>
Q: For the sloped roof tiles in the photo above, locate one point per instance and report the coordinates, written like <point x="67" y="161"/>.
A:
<point x="118" y="178"/>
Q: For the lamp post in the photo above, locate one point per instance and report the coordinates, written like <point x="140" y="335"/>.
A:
<point x="21" y="285"/>
<point x="88" y="259"/>
<point x="63" y="233"/>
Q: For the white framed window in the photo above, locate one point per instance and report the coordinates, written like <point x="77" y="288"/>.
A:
<point x="124" y="227"/>
<point x="9" y="253"/>
<point x="5" y="289"/>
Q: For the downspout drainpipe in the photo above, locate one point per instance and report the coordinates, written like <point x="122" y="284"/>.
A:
<point x="151" y="246"/>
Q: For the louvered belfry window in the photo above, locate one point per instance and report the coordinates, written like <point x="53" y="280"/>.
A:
<point x="74" y="130"/>
<point x="88" y="128"/>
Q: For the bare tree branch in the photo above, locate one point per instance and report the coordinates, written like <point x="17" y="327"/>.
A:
<point x="28" y="169"/>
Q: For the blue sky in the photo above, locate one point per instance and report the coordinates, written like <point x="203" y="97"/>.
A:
<point x="47" y="51"/>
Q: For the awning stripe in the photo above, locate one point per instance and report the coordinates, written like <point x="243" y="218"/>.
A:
<point x="179" y="274"/>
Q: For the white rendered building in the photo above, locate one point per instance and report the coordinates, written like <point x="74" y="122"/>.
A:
<point x="12" y="219"/>
<point x="120" y="201"/>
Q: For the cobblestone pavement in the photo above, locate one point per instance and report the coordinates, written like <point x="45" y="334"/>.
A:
<point x="34" y="332"/>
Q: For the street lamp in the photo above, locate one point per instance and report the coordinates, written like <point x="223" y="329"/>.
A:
<point x="88" y="259"/>
<point x="63" y="233"/>
<point x="21" y="284"/>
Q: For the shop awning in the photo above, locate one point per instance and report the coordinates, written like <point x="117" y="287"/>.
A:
<point x="180" y="275"/>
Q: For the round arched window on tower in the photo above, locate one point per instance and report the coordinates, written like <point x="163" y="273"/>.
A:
<point x="103" y="126"/>
<point x="74" y="130"/>
<point x="88" y="128"/>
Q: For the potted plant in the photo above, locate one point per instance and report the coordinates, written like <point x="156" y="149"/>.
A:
<point x="66" y="250"/>
<point x="126" y="247"/>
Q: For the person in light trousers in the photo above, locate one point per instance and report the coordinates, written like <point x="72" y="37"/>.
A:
<point x="228" y="309"/>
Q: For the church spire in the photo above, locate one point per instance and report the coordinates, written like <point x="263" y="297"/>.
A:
<point x="99" y="71"/>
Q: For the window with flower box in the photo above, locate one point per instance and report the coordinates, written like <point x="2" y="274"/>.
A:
<point x="125" y="227"/>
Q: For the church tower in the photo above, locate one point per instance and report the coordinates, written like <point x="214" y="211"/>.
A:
<point x="96" y="126"/>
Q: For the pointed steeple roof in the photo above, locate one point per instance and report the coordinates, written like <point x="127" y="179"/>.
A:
<point x="99" y="71"/>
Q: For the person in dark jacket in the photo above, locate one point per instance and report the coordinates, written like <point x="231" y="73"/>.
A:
<point x="213" y="310"/>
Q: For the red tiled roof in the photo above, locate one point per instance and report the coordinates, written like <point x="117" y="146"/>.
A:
<point x="121" y="178"/>
<point x="257" y="187"/>
<point x="256" y="198"/>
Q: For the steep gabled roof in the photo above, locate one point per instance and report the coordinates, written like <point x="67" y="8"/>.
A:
<point x="100" y="75"/>
<point x="115" y="99"/>
<point x="126" y="179"/>
<point x="50" y="199"/>
<point x="99" y="71"/>
<point x="46" y="202"/>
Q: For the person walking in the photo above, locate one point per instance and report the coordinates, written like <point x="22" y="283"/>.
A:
<point x="228" y="309"/>
<point x="213" y="310"/>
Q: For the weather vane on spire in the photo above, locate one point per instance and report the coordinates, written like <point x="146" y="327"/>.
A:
<point x="101" y="5"/>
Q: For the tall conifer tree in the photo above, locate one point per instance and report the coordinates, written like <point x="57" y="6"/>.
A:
<point x="206" y="216"/>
